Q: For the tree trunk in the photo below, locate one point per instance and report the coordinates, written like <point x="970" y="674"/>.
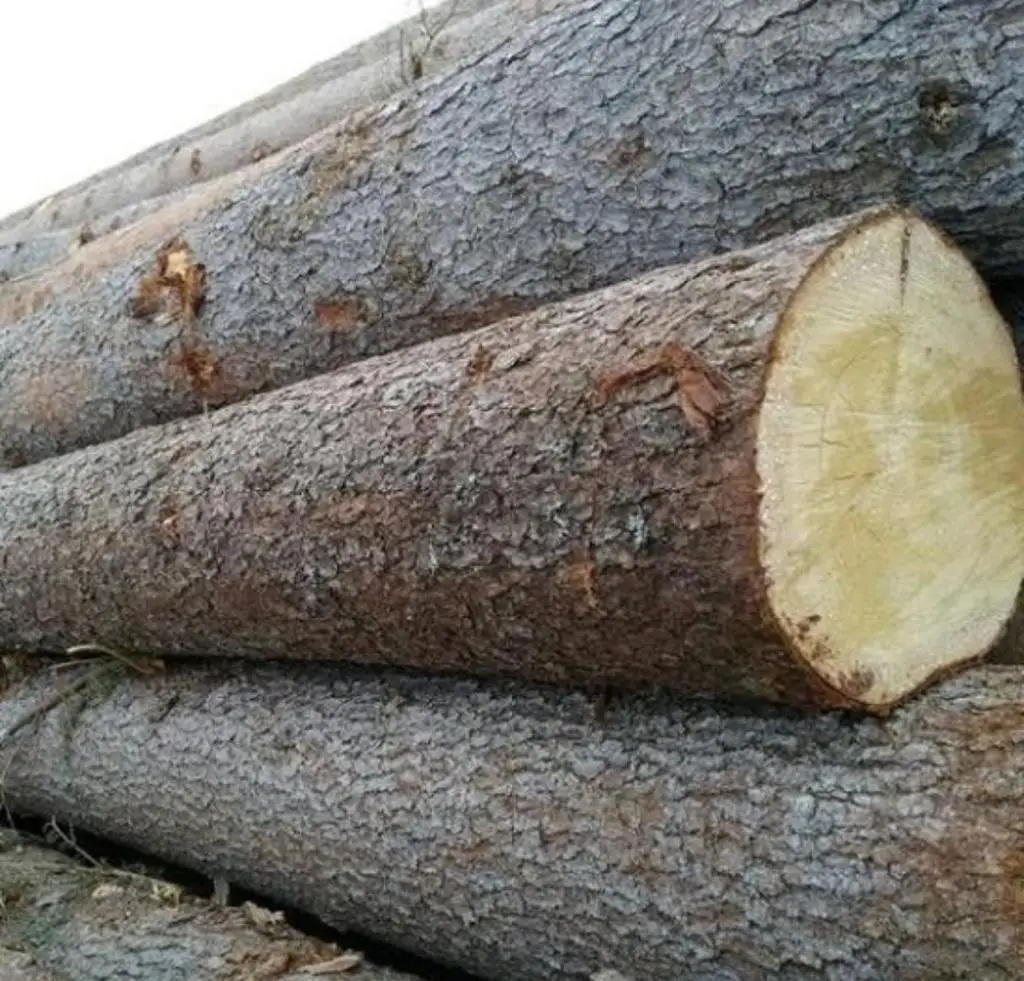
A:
<point x="485" y="193"/>
<point x="66" y="920"/>
<point x="370" y="72"/>
<point x="505" y="831"/>
<point x="652" y="484"/>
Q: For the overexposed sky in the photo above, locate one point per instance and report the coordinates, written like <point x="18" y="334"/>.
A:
<point x="86" y="84"/>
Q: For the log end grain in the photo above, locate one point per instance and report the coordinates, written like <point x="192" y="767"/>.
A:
<point x="891" y="456"/>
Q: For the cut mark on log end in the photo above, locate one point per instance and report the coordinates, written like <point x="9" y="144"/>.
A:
<point x="177" y="288"/>
<point x="890" y="452"/>
<point x="700" y="388"/>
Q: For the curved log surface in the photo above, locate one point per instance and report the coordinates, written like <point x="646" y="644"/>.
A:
<point x="370" y="71"/>
<point x="659" y="133"/>
<point x="509" y="832"/>
<point x="67" y="921"/>
<point x="651" y="484"/>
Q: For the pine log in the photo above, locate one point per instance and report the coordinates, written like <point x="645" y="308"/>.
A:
<point x="604" y="139"/>
<point x="77" y="922"/>
<point x="787" y="473"/>
<point x="505" y="831"/>
<point x="416" y="48"/>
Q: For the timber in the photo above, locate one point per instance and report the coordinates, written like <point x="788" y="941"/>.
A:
<point x="506" y="831"/>
<point x="370" y="71"/>
<point x="787" y="473"/>
<point x="74" y="920"/>
<point x="443" y="209"/>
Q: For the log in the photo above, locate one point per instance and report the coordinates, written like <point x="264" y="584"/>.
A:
<point x="483" y="193"/>
<point x="506" y="831"/>
<point x="650" y="484"/>
<point x="68" y="920"/>
<point x="419" y="47"/>
<point x="21" y="256"/>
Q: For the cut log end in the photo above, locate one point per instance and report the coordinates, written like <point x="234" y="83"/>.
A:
<point x="890" y="450"/>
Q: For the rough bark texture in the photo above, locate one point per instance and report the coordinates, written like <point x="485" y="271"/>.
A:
<point x="371" y="71"/>
<point x="69" y="921"/>
<point x="505" y="831"/>
<point x="15" y="966"/>
<point x="661" y="132"/>
<point x="21" y="256"/>
<point x="484" y="503"/>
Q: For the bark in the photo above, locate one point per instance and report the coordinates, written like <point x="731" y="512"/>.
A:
<point x="505" y="831"/>
<point x="446" y="208"/>
<point x="15" y="966"/>
<point x="20" y="256"/>
<point x="532" y="499"/>
<point x="368" y="72"/>
<point x="69" y="921"/>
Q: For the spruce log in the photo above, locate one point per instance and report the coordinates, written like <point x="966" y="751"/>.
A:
<point x="76" y="922"/>
<point x="604" y="139"/>
<point x="505" y="831"/>
<point x="788" y="473"/>
<point x="370" y="72"/>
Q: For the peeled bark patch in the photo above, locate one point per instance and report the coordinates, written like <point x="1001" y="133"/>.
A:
<point x="789" y="473"/>
<point x="504" y="830"/>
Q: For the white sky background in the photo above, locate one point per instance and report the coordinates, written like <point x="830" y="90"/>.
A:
<point x="86" y="84"/>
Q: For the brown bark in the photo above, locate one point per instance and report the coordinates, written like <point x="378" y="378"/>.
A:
<point x="509" y="832"/>
<point x="447" y="209"/>
<point x="584" y="494"/>
<point x="64" y="920"/>
<point x="376" y="69"/>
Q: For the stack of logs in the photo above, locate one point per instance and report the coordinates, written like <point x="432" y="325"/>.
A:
<point x="549" y="521"/>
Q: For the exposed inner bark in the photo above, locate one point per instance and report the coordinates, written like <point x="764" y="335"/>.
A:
<point x="510" y="832"/>
<point x="789" y="473"/>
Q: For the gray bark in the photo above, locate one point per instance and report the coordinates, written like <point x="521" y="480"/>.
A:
<point x="56" y="927"/>
<point x="476" y="504"/>
<point x="507" y="831"/>
<point x="15" y="966"/>
<point x="21" y="256"/>
<point x="661" y="132"/>
<point x="368" y="72"/>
